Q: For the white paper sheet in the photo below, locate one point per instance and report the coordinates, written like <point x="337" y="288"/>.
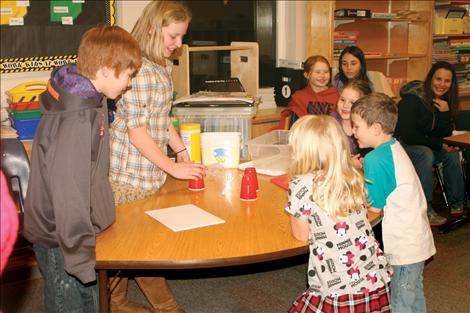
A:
<point x="184" y="217"/>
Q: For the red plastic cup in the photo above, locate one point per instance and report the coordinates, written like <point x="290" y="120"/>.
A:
<point x="248" y="188"/>
<point x="196" y="184"/>
<point x="251" y="171"/>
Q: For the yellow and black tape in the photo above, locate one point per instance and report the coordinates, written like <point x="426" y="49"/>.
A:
<point x="33" y="64"/>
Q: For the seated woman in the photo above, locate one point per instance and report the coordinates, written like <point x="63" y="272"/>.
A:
<point x="352" y="65"/>
<point x="425" y="116"/>
<point x="317" y="97"/>
<point x="353" y="90"/>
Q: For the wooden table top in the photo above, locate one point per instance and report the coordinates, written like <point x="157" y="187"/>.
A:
<point x="462" y="140"/>
<point x="253" y="231"/>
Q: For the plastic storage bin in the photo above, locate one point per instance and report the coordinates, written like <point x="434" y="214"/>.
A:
<point x="220" y="119"/>
<point x="26" y="114"/>
<point x="221" y="148"/>
<point x="270" y="152"/>
<point x="270" y="144"/>
<point x="26" y="128"/>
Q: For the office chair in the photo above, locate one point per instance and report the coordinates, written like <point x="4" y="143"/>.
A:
<point x="15" y="166"/>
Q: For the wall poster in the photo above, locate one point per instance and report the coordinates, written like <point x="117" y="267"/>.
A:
<point x="39" y="35"/>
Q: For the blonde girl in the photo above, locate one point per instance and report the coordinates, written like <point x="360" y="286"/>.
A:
<point x="353" y="90"/>
<point x="317" y="97"/>
<point x="142" y="130"/>
<point x="326" y="206"/>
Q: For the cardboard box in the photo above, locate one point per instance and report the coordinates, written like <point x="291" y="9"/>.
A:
<point x="452" y="26"/>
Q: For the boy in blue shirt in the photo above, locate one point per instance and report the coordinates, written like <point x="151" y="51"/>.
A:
<point x="394" y="189"/>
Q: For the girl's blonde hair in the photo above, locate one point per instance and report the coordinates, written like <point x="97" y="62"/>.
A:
<point x="320" y="146"/>
<point x="148" y="29"/>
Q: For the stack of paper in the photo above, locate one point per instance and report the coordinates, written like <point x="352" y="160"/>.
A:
<point x="184" y="217"/>
<point x="266" y="98"/>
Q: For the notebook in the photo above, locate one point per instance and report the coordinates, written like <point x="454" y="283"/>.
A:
<point x="184" y="217"/>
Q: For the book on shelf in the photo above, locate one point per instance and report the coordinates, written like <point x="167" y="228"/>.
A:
<point x="344" y="37"/>
<point x="346" y="33"/>
<point x="347" y="42"/>
<point x="457" y="41"/>
<point x="384" y="15"/>
<point x="373" y="54"/>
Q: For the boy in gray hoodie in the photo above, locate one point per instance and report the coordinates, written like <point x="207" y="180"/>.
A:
<point x="69" y="198"/>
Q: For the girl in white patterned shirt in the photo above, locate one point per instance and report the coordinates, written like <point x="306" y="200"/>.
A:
<point x="347" y="271"/>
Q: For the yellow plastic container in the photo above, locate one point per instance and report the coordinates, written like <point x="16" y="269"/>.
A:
<point x="26" y="92"/>
<point x="191" y="135"/>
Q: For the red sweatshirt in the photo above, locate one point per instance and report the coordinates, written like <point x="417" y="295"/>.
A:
<point x="306" y="101"/>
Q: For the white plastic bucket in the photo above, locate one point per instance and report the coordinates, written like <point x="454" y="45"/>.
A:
<point x="222" y="148"/>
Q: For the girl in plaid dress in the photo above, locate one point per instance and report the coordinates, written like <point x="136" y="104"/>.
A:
<point x="347" y="271"/>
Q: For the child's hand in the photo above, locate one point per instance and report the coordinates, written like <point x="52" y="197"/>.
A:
<point x="450" y="148"/>
<point x="187" y="170"/>
<point x="357" y="161"/>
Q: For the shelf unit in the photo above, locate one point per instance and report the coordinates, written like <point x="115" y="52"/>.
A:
<point x="243" y="64"/>
<point x="404" y="43"/>
<point x="464" y="92"/>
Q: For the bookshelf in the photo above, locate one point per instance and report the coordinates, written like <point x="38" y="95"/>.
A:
<point x="400" y="45"/>
<point x="453" y="46"/>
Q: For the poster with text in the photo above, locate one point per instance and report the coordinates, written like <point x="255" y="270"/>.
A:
<point x="39" y="35"/>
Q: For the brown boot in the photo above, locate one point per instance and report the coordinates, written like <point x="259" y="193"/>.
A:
<point x="119" y="303"/>
<point x="159" y="294"/>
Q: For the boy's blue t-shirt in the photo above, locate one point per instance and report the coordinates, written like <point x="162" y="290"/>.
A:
<point x="394" y="186"/>
<point x="379" y="171"/>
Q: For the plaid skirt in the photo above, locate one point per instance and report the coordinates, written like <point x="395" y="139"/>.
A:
<point x="373" y="302"/>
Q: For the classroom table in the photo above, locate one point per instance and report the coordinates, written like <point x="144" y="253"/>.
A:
<point x="253" y="232"/>
<point x="462" y="141"/>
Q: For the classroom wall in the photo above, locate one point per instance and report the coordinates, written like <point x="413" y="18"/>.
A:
<point x="290" y="33"/>
<point x="291" y="26"/>
<point x="132" y="11"/>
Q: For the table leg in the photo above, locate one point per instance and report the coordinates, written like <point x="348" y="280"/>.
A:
<point x="103" y="287"/>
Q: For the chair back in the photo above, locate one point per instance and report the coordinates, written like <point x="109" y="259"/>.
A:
<point x="15" y="166"/>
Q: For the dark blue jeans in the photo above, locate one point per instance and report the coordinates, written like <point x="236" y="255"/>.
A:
<point x="423" y="158"/>
<point x="64" y="293"/>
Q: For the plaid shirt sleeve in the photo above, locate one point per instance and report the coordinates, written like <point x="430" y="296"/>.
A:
<point x="135" y="101"/>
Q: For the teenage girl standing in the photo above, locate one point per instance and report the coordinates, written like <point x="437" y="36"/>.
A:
<point x="142" y="130"/>
<point x="346" y="271"/>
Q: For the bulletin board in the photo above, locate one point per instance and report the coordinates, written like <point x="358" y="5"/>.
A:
<point x="39" y="35"/>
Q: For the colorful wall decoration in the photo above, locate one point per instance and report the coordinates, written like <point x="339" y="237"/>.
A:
<point x="39" y="35"/>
